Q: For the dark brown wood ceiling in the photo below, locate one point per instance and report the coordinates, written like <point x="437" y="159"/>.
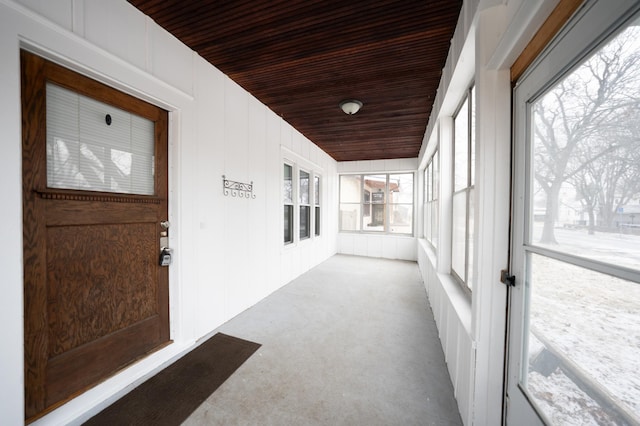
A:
<point x="302" y="57"/>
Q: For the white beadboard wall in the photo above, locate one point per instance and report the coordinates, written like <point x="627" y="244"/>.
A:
<point x="229" y="251"/>
<point x="452" y="313"/>
<point x="489" y="37"/>
<point x="386" y="246"/>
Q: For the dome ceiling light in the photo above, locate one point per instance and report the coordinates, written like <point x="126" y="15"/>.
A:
<point x="350" y="106"/>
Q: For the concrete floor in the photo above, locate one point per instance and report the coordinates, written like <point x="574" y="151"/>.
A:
<point x="351" y="342"/>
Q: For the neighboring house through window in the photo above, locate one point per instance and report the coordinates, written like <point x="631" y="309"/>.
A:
<point x="377" y="203"/>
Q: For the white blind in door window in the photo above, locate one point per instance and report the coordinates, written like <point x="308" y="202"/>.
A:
<point x="85" y="152"/>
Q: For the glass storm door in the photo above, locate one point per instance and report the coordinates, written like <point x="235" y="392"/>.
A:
<point x="574" y="322"/>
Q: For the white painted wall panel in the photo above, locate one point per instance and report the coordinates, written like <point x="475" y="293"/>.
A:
<point x="392" y="165"/>
<point x="385" y="246"/>
<point x="118" y="28"/>
<point x="257" y="250"/>
<point x="346" y="244"/>
<point x="296" y="142"/>
<point x="390" y="248"/>
<point x="286" y="136"/>
<point x="59" y="12"/>
<point x="454" y="329"/>
<point x="360" y="246"/>
<point x="374" y="245"/>
<point x="211" y="117"/>
<point x="408" y="164"/>
<point x="169" y="59"/>
<point x="406" y="248"/>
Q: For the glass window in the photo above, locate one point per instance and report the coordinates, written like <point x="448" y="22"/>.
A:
<point x="431" y="200"/>
<point x="461" y="147"/>
<point x="463" y="181"/>
<point x="350" y="206"/>
<point x="287" y="191"/>
<point x="377" y="203"/>
<point x="401" y="203"/>
<point x="374" y="208"/>
<point x="93" y="146"/>
<point x="316" y="198"/>
<point x="304" y="206"/>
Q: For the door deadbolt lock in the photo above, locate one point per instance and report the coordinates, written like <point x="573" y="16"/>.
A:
<point x="165" y="256"/>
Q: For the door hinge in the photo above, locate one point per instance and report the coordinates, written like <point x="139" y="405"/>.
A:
<point x="507" y="279"/>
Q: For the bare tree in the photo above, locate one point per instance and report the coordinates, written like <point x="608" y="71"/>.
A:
<point x="571" y="122"/>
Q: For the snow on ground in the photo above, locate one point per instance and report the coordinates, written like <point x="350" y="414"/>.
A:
<point x="592" y="319"/>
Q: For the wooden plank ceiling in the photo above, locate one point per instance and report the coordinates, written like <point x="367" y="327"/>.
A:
<point x="302" y="57"/>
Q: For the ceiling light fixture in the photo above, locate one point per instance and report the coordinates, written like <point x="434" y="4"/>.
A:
<point x="350" y="106"/>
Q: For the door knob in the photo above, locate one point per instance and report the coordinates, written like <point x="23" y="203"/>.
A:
<point x="165" y="224"/>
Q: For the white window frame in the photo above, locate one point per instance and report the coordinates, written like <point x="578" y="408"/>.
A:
<point x="387" y="204"/>
<point x="316" y="212"/>
<point x="291" y="204"/>
<point x="466" y="106"/>
<point x="432" y="198"/>
<point x="299" y="164"/>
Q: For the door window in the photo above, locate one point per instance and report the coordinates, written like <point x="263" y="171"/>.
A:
<point x="577" y="306"/>
<point x="93" y="146"/>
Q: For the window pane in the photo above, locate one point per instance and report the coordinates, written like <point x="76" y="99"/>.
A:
<point x="461" y="147"/>
<point x="401" y="218"/>
<point x="473" y="136"/>
<point x="428" y="221"/>
<point x="435" y="223"/>
<point x="305" y="221"/>
<point x="288" y="184"/>
<point x="317" y="220"/>
<point x="585" y="199"/>
<point x="375" y="221"/>
<point x="376" y="185"/>
<point x="436" y="175"/>
<point x="428" y="183"/>
<point x="350" y="187"/>
<point x="583" y="344"/>
<point x="459" y="234"/>
<point x="288" y="223"/>
<point x="304" y="187"/>
<point x="401" y="188"/>
<point x="84" y="152"/>
<point x="349" y="217"/>
<point x="316" y="192"/>
<point x="470" y="240"/>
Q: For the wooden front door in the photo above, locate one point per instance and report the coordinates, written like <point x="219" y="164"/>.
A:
<point x="95" y="295"/>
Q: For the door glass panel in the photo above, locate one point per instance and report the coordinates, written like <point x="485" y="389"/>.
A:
<point x="581" y="352"/>
<point x="93" y="146"/>
<point x="583" y="356"/>
<point x="586" y="153"/>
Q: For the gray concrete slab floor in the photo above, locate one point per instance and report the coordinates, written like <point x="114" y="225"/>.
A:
<point x="351" y="342"/>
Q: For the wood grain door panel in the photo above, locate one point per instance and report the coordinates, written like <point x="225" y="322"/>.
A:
<point x="95" y="296"/>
